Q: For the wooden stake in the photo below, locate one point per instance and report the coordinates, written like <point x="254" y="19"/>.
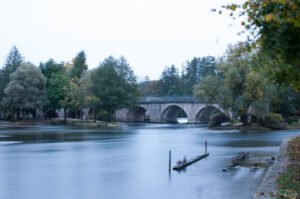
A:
<point x="170" y="161"/>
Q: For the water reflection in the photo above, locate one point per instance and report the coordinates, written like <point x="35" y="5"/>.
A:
<point x="128" y="162"/>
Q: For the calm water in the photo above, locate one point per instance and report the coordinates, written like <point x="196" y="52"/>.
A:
<point x="47" y="162"/>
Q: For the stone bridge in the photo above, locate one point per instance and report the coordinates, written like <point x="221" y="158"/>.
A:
<point x="168" y="109"/>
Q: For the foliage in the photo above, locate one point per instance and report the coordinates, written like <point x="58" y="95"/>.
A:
<point x="273" y="121"/>
<point x="149" y="88"/>
<point x="217" y="119"/>
<point x="195" y="70"/>
<point x="51" y="68"/>
<point x="237" y="86"/>
<point x="26" y="90"/>
<point x="114" y="84"/>
<point x="172" y="83"/>
<point x="56" y="81"/>
<point x="169" y="83"/>
<point x="274" y="26"/>
<point x="13" y="61"/>
<point x="76" y="94"/>
<point x="208" y="89"/>
<point x="289" y="181"/>
<point x="79" y="65"/>
<point x="286" y="102"/>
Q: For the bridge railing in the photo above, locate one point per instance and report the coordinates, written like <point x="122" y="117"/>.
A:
<point x="170" y="99"/>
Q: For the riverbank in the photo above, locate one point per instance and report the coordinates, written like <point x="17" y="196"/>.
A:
<point x="289" y="182"/>
<point x="254" y="127"/>
<point x="57" y="121"/>
<point x="278" y="182"/>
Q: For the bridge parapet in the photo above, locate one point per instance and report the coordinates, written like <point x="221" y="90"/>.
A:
<point x="169" y="99"/>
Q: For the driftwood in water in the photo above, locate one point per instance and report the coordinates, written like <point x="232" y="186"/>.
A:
<point x="238" y="158"/>
<point x="186" y="163"/>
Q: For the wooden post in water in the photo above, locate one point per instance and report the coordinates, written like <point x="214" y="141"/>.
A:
<point x="169" y="160"/>
<point x="205" y="146"/>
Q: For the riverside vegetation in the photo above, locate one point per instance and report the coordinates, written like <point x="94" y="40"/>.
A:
<point x="257" y="81"/>
<point x="289" y="182"/>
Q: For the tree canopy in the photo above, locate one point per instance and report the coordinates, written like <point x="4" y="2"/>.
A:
<point x="26" y="90"/>
<point x="79" y="65"/>
<point x="56" y="84"/>
<point x="237" y="86"/>
<point x="13" y="61"/>
<point x="114" y="85"/>
<point x="274" y="27"/>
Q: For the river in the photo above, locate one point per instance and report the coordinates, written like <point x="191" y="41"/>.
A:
<point x="130" y="162"/>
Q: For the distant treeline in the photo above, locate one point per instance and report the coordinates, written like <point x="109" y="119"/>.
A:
<point x="174" y="83"/>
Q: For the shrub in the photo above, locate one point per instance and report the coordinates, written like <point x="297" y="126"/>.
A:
<point x="217" y="119"/>
<point x="273" y="121"/>
<point x="10" y="117"/>
<point x="292" y="120"/>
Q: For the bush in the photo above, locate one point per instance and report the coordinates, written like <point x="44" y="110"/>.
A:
<point x="217" y="119"/>
<point x="273" y="121"/>
<point x="10" y="117"/>
<point x="292" y="120"/>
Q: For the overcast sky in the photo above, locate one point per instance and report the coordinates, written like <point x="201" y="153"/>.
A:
<point x="151" y="34"/>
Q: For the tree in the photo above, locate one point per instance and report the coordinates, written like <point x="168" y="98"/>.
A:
<point x="208" y="89"/>
<point x="13" y="61"/>
<point x="79" y="65"/>
<point x="207" y="66"/>
<point x="169" y="82"/>
<point x="114" y="85"/>
<point x="195" y="70"/>
<point x="238" y="86"/>
<point x="149" y="88"/>
<point x="52" y="68"/>
<point x="56" y="81"/>
<point x="190" y="75"/>
<point x="274" y="27"/>
<point x="26" y="90"/>
<point x="286" y="102"/>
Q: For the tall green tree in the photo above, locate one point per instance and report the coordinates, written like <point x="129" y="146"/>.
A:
<point x="26" y="90"/>
<point x="114" y="85"/>
<point x="12" y="63"/>
<point x="79" y="65"/>
<point x="195" y="70"/>
<point x="56" y="82"/>
<point x="169" y="83"/>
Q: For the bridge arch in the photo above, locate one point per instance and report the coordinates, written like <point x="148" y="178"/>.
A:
<point x="171" y="113"/>
<point x="137" y="114"/>
<point x="203" y="115"/>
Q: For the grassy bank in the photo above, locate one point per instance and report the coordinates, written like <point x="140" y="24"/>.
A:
<point x="289" y="182"/>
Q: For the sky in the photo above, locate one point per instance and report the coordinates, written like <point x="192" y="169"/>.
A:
<point x="150" y="34"/>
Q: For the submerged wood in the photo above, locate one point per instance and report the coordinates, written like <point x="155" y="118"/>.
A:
<point x="238" y="158"/>
<point x="189" y="162"/>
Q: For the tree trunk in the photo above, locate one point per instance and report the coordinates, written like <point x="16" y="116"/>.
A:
<point x="95" y="116"/>
<point x="110" y="115"/>
<point x="65" y="114"/>
<point x="244" y="119"/>
<point x="18" y="114"/>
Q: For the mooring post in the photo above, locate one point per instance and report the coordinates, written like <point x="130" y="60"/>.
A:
<point x="169" y="160"/>
<point x="205" y="146"/>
